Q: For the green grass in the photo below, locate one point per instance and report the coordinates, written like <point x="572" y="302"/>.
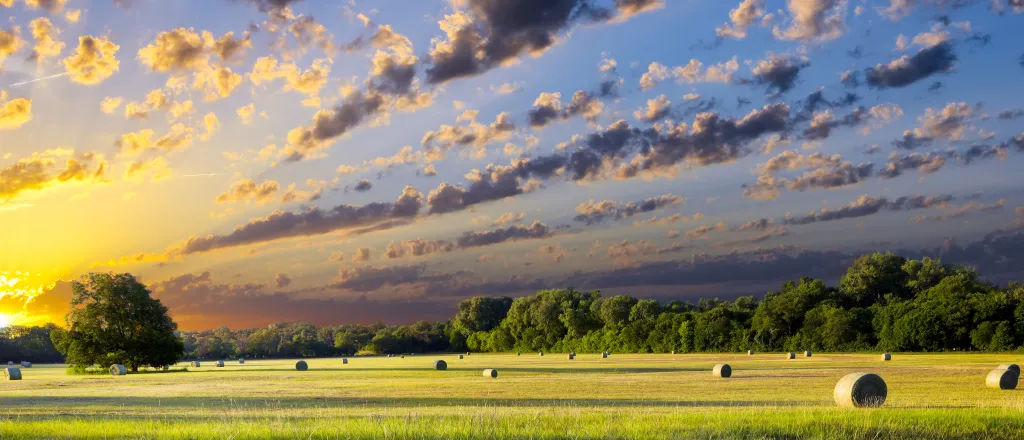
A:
<point x="624" y="396"/>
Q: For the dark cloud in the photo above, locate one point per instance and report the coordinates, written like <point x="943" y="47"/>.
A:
<point x="371" y="279"/>
<point x="923" y="163"/>
<point x="313" y="221"/>
<point x="329" y="124"/>
<point x="910" y="69"/>
<point x="502" y="235"/>
<point x="363" y="185"/>
<point x="282" y="280"/>
<point x="549" y="108"/>
<point x="1009" y="115"/>
<point x="494" y="183"/>
<point x="417" y="248"/>
<point x="867" y="205"/>
<point x="501" y="30"/>
<point x="779" y="74"/>
<point x="271" y="5"/>
<point x="596" y="212"/>
<point x="821" y="127"/>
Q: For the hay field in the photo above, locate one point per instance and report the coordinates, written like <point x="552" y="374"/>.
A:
<point x="624" y="396"/>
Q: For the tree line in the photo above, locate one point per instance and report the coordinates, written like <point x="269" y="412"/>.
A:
<point x="884" y="302"/>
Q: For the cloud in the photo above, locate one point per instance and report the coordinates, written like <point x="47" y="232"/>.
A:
<point x="248" y="190"/>
<point x="157" y="169"/>
<point x="814" y="20"/>
<point x="701" y="232"/>
<point x="110" y="104"/>
<point x="508" y="218"/>
<point x="93" y="61"/>
<point x="51" y="6"/>
<point x="313" y="221"/>
<point x="494" y="183"/>
<point x="923" y="163"/>
<point x="362" y="255"/>
<point x="548" y="108"/>
<point x="182" y="49"/>
<point x="866" y="205"/>
<point x="693" y="72"/>
<point x="15" y="113"/>
<point x="474" y="134"/>
<point x="47" y="37"/>
<point x="330" y="124"/>
<point x="363" y="186"/>
<point x="909" y="69"/>
<point x="49" y="169"/>
<point x="962" y="211"/>
<point x="10" y="42"/>
<point x="178" y="138"/>
<point x="596" y="212"/>
<point x="503" y="235"/>
<point x="417" y="248"/>
<point x="741" y="18"/>
<point x="656" y="109"/>
<point x="778" y="73"/>
<point x="484" y="34"/>
<point x="282" y="280"/>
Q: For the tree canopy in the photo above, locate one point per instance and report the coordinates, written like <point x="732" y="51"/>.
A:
<point x="115" y="320"/>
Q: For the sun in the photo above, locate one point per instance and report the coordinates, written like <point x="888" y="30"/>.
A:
<point x="4" y="320"/>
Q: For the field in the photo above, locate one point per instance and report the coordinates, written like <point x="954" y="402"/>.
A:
<point x="624" y="396"/>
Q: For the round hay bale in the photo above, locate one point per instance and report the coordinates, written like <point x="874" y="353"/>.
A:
<point x="241" y="361"/>
<point x="440" y="365"/>
<point x="518" y="353"/>
<point x="344" y="361"/>
<point x="301" y="366"/>
<point x="674" y="352"/>
<point x="542" y="353"/>
<point x="791" y="355"/>
<point x="860" y="390"/>
<point x="886" y="357"/>
<point x="195" y="364"/>
<point x="491" y="373"/>
<point x="604" y="355"/>
<point x="750" y="352"/>
<point x="26" y="365"/>
<point x="403" y="356"/>
<point x="118" y="370"/>
<point x="1002" y="379"/>
<point x="807" y="353"/>
<point x="572" y="356"/>
<point x="467" y="353"/>
<point x="461" y="357"/>
<point x="722" y="370"/>
<point x="220" y="364"/>
<point x="1011" y="367"/>
<point x="12" y="373"/>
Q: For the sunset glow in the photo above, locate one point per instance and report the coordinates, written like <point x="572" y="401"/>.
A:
<point x="353" y="162"/>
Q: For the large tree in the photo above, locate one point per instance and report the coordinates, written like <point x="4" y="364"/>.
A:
<point x="115" y="320"/>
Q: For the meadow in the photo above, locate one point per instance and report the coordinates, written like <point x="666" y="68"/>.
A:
<point x="550" y="397"/>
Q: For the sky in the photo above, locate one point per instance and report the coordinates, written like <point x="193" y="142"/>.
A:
<point x="360" y="161"/>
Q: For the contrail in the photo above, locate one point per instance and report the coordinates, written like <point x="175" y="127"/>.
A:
<point x="38" y="79"/>
<point x="201" y="175"/>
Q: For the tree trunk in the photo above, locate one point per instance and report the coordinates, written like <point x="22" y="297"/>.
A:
<point x="135" y="368"/>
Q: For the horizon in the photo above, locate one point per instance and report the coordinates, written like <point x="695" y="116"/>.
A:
<point x="347" y="163"/>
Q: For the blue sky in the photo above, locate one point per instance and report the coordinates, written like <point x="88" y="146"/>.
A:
<point x="109" y="215"/>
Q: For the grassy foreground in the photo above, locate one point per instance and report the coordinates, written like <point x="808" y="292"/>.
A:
<point x="624" y="396"/>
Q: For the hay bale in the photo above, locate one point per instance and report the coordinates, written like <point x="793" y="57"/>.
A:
<point x="118" y="370"/>
<point x="301" y="366"/>
<point x="1002" y="379"/>
<point x="518" y="353"/>
<point x="220" y="364"/>
<point x="241" y="361"/>
<point x="491" y="373"/>
<point x="26" y="365"/>
<point x="467" y="353"/>
<point x="807" y="353"/>
<point x="722" y="370"/>
<point x="542" y="353"/>
<point x="461" y="357"/>
<point x="12" y="373"/>
<point x="196" y="364"/>
<point x="402" y="357"/>
<point x="791" y="355"/>
<point x="674" y="352"/>
<point x="750" y="352"/>
<point x="604" y="355"/>
<point x="440" y="365"/>
<point x="860" y="390"/>
<point x="344" y="361"/>
<point x="572" y="356"/>
<point x="1011" y="367"/>
<point x="886" y="357"/>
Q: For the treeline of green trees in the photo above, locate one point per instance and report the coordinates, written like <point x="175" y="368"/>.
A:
<point x="30" y="344"/>
<point x="883" y="302"/>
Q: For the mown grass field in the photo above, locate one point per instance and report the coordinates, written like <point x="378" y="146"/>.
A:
<point x="624" y="396"/>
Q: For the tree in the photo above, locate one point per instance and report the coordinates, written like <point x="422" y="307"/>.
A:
<point x="115" y="320"/>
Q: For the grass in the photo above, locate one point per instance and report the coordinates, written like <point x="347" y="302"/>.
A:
<point x="624" y="396"/>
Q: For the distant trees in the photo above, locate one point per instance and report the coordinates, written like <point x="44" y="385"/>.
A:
<point x="115" y="320"/>
<point x="883" y="302"/>
<point x="29" y="344"/>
